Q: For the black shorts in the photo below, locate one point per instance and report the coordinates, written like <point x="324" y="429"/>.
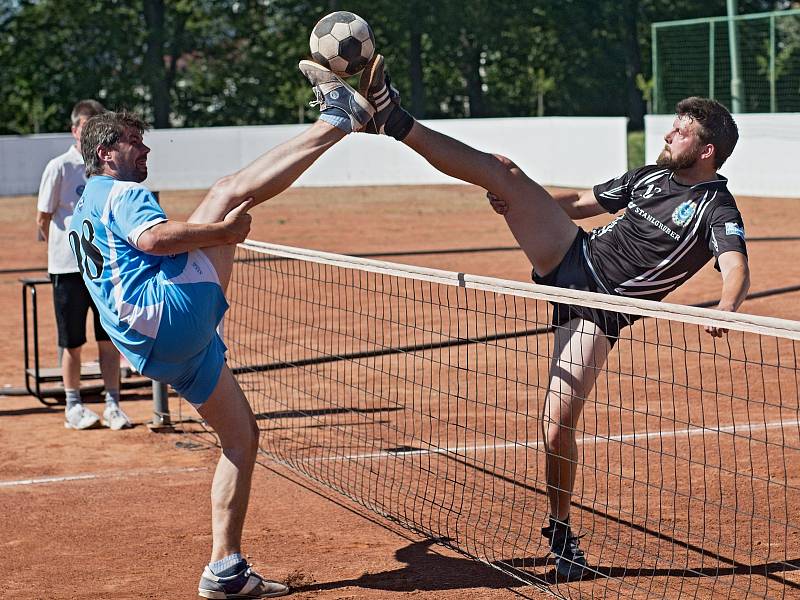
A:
<point x="72" y="301"/>
<point x="574" y="273"/>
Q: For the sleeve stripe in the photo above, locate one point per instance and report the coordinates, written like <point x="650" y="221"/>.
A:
<point x="133" y="236"/>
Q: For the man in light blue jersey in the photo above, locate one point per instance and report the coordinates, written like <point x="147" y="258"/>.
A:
<point x="160" y="287"/>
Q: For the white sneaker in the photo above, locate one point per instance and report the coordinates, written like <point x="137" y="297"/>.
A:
<point x="115" y="419"/>
<point x="80" y="417"/>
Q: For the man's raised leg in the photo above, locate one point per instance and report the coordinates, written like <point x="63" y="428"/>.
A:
<point x="342" y="110"/>
<point x="268" y="175"/>
<point x="541" y="227"/>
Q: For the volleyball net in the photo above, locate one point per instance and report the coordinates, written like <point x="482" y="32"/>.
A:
<point x="419" y="395"/>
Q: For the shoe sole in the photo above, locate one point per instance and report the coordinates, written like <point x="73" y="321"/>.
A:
<point x="223" y="596"/>
<point x="68" y="425"/>
<point x="572" y="571"/>
<point x="107" y="424"/>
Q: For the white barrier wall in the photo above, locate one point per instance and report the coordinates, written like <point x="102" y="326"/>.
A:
<point x="560" y="151"/>
<point x="765" y="161"/>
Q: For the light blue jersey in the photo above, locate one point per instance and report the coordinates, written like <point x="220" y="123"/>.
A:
<point x="161" y="312"/>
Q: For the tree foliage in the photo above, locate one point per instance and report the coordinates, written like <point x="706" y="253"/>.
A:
<point x="234" y="62"/>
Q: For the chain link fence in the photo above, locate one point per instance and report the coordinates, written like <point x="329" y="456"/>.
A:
<point x="750" y="63"/>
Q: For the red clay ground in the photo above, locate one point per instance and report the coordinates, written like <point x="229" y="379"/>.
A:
<point x="133" y="521"/>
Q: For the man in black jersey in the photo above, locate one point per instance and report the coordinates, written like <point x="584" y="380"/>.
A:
<point x="678" y="215"/>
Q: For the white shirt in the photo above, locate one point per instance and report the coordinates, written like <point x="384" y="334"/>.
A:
<point x="62" y="184"/>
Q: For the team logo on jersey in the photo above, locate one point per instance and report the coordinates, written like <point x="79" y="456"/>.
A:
<point x="684" y="213"/>
<point x="734" y="229"/>
<point x="651" y="191"/>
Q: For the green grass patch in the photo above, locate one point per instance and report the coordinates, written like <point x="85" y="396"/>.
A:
<point x="635" y="149"/>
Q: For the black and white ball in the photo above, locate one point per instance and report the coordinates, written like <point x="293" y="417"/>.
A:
<point x="343" y="42"/>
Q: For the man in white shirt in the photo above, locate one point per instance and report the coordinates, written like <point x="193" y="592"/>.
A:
<point x="62" y="184"/>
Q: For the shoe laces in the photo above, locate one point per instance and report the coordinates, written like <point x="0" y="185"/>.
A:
<point x="571" y="546"/>
<point x="320" y="98"/>
<point x="563" y="542"/>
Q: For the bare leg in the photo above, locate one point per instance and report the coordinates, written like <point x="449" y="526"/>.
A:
<point x="268" y="175"/>
<point x="71" y="368"/>
<point x="579" y="352"/>
<point x="542" y="229"/>
<point x="228" y="412"/>
<point x="109" y="364"/>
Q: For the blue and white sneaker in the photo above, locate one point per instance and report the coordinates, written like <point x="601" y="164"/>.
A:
<point x="247" y="584"/>
<point x="336" y="97"/>
<point x="570" y="560"/>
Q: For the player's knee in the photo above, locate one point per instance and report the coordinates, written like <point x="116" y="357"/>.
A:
<point x="222" y="190"/>
<point x="559" y="428"/>
<point x="506" y="163"/>
<point x="253" y="440"/>
<point x="559" y="438"/>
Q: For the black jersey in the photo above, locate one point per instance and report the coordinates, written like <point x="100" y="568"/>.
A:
<point x="666" y="234"/>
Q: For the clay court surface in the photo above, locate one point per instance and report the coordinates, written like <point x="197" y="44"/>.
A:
<point x="126" y="515"/>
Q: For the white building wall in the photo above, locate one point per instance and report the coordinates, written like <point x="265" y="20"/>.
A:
<point x="560" y="151"/>
<point x="766" y="159"/>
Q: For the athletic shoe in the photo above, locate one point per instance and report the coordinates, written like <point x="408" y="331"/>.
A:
<point x="333" y="93"/>
<point x="390" y="118"/>
<point x="80" y="417"/>
<point x="245" y="584"/>
<point x="570" y="560"/>
<point x="114" y="418"/>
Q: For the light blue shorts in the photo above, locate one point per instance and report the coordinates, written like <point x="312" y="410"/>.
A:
<point x="188" y="353"/>
<point x="195" y="377"/>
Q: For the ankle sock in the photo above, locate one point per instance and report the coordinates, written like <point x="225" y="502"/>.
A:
<point x="112" y="398"/>
<point x="399" y="123"/>
<point x="228" y="566"/>
<point x="73" y="398"/>
<point x="338" y="118"/>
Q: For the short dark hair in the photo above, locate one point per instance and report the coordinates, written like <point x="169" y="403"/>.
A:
<point x="717" y="126"/>
<point x="85" y="108"/>
<point x="106" y="129"/>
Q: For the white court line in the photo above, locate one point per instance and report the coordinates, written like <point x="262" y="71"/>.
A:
<point x="589" y="439"/>
<point x="91" y="476"/>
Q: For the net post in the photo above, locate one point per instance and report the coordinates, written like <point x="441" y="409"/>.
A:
<point x="773" y="105"/>
<point x="737" y="99"/>
<point x="656" y="85"/>
<point x="161" y="419"/>
<point x="712" y="38"/>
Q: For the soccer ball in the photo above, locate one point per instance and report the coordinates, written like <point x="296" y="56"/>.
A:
<point x="342" y="42"/>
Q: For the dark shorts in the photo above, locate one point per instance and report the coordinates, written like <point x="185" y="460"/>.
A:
<point x="574" y="273"/>
<point x="72" y="302"/>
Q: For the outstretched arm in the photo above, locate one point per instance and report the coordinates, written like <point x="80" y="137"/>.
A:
<point x="577" y="205"/>
<point x="735" y="284"/>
